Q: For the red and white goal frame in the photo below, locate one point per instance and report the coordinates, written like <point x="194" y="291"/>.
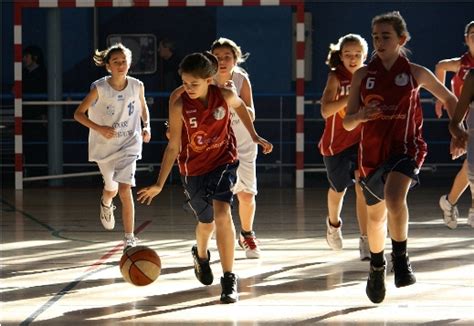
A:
<point x="17" y="42"/>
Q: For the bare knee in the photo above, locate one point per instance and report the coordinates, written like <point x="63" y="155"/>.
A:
<point x="246" y="198"/>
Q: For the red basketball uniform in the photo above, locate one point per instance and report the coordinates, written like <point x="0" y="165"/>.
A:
<point x="207" y="139"/>
<point x="467" y="62"/>
<point x="335" y="138"/>
<point x="399" y="129"/>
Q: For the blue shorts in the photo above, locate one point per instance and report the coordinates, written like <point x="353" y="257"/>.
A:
<point x="373" y="185"/>
<point x="340" y="168"/>
<point x="201" y="190"/>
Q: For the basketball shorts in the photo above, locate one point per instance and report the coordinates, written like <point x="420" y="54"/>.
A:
<point x="121" y="170"/>
<point x="373" y="185"/>
<point x="340" y="168"/>
<point x="201" y="190"/>
<point x="246" y="178"/>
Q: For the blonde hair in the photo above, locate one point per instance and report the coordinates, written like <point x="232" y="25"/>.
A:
<point x="334" y="55"/>
<point x="101" y="58"/>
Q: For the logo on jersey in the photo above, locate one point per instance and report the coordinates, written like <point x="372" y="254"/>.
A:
<point x="373" y="100"/>
<point x="200" y="142"/>
<point x="110" y="110"/>
<point x="219" y="113"/>
<point x="120" y="97"/>
<point x="401" y="79"/>
<point x="131" y="107"/>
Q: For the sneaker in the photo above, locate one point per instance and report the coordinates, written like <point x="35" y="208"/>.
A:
<point x="364" y="250"/>
<point x="229" y="288"/>
<point x="375" y="288"/>
<point x="403" y="272"/>
<point x="107" y="215"/>
<point x="470" y="217"/>
<point x="250" y="244"/>
<point x="202" y="269"/>
<point x="129" y="242"/>
<point x="450" y="212"/>
<point x="334" y="235"/>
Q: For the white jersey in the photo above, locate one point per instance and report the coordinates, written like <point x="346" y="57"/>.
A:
<point x="121" y="110"/>
<point x="246" y="148"/>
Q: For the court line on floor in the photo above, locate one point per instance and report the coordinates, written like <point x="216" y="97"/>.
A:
<point x="94" y="268"/>
<point x="55" y="233"/>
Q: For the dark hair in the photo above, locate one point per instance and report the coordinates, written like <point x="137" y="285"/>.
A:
<point x="398" y="23"/>
<point x="199" y="64"/>
<point x="334" y="55"/>
<point x="101" y="58"/>
<point x="35" y="52"/>
<point x="168" y="43"/>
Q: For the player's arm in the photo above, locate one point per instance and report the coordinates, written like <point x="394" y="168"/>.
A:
<point x="241" y="109"/>
<point x="330" y="106"/>
<point x="443" y="66"/>
<point x="81" y="116"/>
<point x="146" y="195"/>
<point x="428" y="81"/>
<point x="455" y="125"/>
<point x="246" y="96"/>
<point x="146" y="130"/>
<point x="356" y="113"/>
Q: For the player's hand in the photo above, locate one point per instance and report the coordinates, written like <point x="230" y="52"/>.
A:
<point x="146" y="134"/>
<point x="267" y="147"/>
<point x="107" y="132"/>
<point x="438" y="109"/>
<point x="146" y="195"/>
<point x="370" y="112"/>
<point x="457" y="148"/>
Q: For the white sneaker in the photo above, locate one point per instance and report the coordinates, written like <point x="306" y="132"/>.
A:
<point x="107" y="215"/>
<point x="450" y="212"/>
<point x="129" y="242"/>
<point x="470" y="217"/>
<point x="334" y="235"/>
<point x="364" y="250"/>
<point x="250" y="244"/>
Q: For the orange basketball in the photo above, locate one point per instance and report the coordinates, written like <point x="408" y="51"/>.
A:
<point x="140" y="265"/>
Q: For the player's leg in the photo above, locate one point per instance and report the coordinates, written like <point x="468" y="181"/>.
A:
<point x="109" y="191"/>
<point x="448" y="203"/>
<point x="361" y="209"/>
<point x="396" y="190"/>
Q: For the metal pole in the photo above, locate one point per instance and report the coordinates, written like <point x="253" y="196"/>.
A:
<point x="55" y="86"/>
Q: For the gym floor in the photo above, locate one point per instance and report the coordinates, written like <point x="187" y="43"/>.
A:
<point x="59" y="266"/>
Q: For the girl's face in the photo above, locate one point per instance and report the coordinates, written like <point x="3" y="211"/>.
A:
<point x="386" y="41"/>
<point x="118" y="65"/>
<point x="194" y="86"/>
<point x="226" y="59"/>
<point x="352" y="56"/>
<point x="469" y="39"/>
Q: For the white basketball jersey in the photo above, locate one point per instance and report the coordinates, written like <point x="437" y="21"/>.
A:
<point x="246" y="148"/>
<point x="121" y="110"/>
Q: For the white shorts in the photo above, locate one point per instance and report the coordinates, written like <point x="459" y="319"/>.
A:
<point x="246" y="178"/>
<point x="117" y="171"/>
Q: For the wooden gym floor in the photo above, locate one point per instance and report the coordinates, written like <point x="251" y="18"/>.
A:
<point x="60" y="267"/>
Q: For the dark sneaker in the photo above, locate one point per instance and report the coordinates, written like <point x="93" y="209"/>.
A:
<point x="403" y="272"/>
<point x="202" y="269"/>
<point x="376" y="284"/>
<point x="229" y="288"/>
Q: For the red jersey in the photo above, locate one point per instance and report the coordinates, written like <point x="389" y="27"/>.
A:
<point x="467" y="62"/>
<point x="335" y="138"/>
<point x="207" y="139"/>
<point x="399" y="129"/>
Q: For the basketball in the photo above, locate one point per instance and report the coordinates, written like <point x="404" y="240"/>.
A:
<point x="140" y="265"/>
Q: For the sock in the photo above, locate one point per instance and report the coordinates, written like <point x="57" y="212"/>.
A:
<point x="399" y="248"/>
<point x="247" y="233"/>
<point x="129" y="235"/>
<point x="377" y="259"/>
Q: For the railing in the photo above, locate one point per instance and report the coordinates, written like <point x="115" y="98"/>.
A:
<point x="275" y="121"/>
